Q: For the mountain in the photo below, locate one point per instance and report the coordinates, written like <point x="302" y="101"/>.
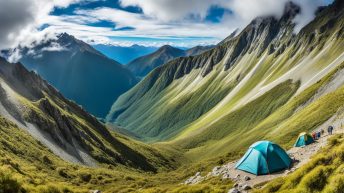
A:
<point x="49" y="142"/>
<point x="61" y="125"/>
<point x="197" y="50"/>
<point x="124" y="54"/>
<point x="79" y="72"/>
<point x="143" y="65"/>
<point x="266" y="82"/>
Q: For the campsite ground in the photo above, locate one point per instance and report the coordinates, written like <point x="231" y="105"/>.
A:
<point x="302" y="155"/>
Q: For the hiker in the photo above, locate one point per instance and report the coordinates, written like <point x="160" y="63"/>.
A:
<point x="330" y="130"/>
<point x="322" y="132"/>
<point x="314" y="136"/>
<point x="319" y="134"/>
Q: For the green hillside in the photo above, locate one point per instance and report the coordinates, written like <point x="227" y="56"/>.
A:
<point x="260" y="84"/>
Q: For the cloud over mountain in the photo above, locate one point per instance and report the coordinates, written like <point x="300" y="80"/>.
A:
<point x="177" y="22"/>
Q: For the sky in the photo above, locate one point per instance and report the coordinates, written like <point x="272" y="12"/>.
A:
<point x="182" y="23"/>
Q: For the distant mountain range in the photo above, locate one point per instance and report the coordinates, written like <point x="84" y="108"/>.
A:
<point x="124" y="54"/>
<point x="80" y="72"/>
<point x="143" y="65"/>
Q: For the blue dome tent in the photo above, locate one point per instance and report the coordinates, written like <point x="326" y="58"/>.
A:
<point x="303" y="140"/>
<point x="264" y="157"/>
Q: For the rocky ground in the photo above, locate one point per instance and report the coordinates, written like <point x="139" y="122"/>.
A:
<point x="245" y="181"/>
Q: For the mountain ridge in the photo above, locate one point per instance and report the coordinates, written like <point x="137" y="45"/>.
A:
<point x="143" y="65"/>
<point x="73" y="67"/>
<point x="190" y="102"/>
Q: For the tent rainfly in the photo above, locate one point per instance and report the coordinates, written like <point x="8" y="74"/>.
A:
<point x="264" y="157"/>
<point x="303" y="140"/>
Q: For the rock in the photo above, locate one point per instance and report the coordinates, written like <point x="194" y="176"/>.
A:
<point x="217" y="171"/>
<point x="95" y="191"/>
<point x="198" y="174"/>
<point x="237" y="176"/>
<point x="247" y="178"/>
<point x="236" y="185"/>
<point x="226" y="176"/>
<point x="233" y="190"/>
<point x="287" y="172"/>
<point x="246" y="187"/>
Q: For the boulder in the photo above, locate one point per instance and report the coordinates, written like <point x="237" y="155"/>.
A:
<point x="233" y="190"/>
<point x="246" y="187"/>
<point x="247" y="178"/>
<point x="237" y="176"/>
<point x="226" y="176"/>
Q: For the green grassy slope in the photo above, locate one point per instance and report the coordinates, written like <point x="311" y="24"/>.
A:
<point x="27" y="166"/>
<point x="190" y="96"/>
<point x="281" y="125"/>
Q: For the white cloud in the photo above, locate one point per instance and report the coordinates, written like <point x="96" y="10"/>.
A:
<point x="168" y="10"/>
<point x="20" y="19"/>
<point x="243" y="11"/>
<point x="161" y="19"/>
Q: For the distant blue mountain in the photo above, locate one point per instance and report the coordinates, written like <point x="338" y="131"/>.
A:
<point x="124" y="54"/>
<point x="79" y="72"/>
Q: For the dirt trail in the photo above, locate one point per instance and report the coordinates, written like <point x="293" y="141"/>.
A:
<point x="301" y="154"/>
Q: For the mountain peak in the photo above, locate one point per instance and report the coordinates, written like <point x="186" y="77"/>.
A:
<point x="290" y="11"/>
<point x="167" y="48"/>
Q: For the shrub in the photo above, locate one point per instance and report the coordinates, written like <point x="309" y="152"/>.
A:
<point x="46" y="160"/>
<point x="85" y="177"/>
<point x="9" y="185"/>
<point x="336" y="184"/>
<point x="62" y="172"/>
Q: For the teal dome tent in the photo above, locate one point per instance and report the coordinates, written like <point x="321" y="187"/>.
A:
<point x="264" y="157"/>
<point x="303" y="140"/>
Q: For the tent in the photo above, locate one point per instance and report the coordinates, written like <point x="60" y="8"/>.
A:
<point x="303" y="140"/>
<point x="264" y="157"/>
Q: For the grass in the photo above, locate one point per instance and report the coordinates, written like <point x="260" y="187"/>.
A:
<point x="27" y="164"/>
<point x="324" y="173"/>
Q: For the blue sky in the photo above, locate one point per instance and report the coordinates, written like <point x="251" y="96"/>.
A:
<point x="182" y="23"/>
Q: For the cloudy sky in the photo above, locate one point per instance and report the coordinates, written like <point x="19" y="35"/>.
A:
<point x="183" y="23"/>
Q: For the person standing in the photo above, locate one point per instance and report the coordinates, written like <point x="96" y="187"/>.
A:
<point x="330" y="130"/>
<point x="314" y="135"/>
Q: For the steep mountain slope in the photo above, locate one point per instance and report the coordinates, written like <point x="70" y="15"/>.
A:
<point x="80" y="72"/>
<point x="197" y="50"/>
<point x="124" y="54"/>
<point x="264" y="83"/>
<point x="65" y="128"/>
<point x="143" y="65"/>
